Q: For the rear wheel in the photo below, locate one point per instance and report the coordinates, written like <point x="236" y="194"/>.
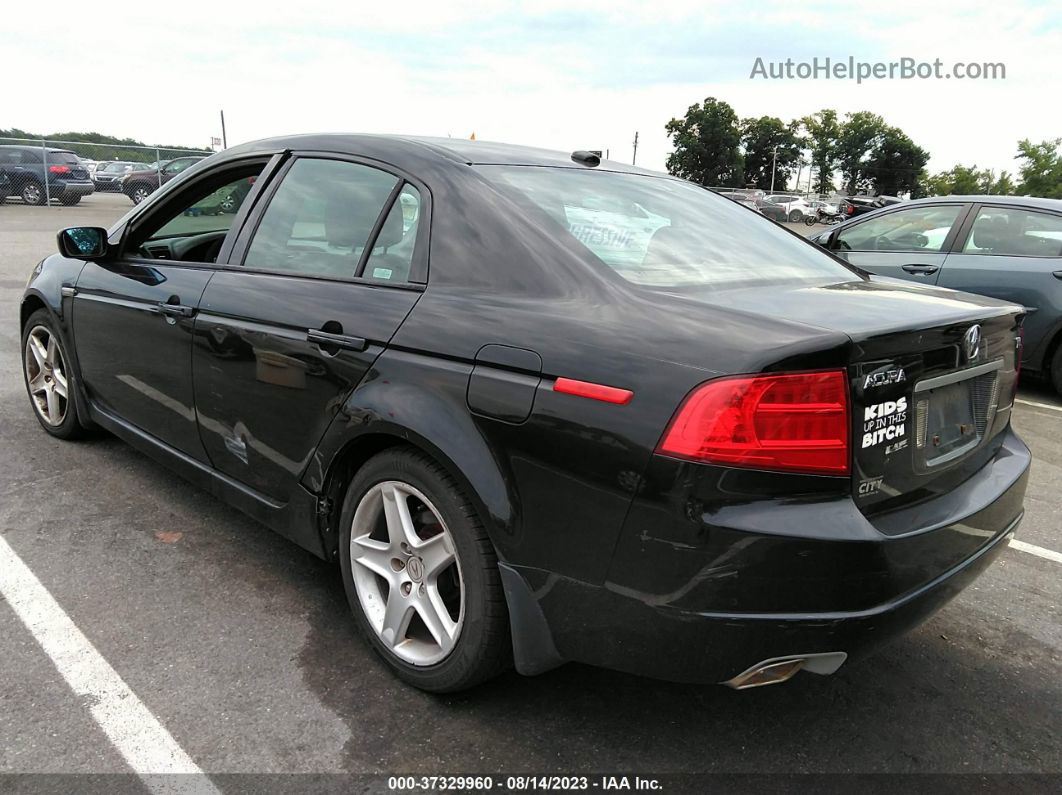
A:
<point x="795" y="216"/>
<point x="33" y="193"/>
<point x="70" y="201"/>
<point x="49" y="379"/>
<point x="421" y="575"/>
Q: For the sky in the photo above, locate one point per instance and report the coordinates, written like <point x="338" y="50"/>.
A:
<point x="560" y="75"/>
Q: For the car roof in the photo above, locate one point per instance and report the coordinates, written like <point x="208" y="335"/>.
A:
<point x="1024" y="201"/>
<point x="455" y="150"/>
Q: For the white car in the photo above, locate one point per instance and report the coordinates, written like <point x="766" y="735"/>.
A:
<point x="795" y="207"/>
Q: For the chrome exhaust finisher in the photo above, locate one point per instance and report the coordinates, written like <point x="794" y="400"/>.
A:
<point x="776" y="670"/>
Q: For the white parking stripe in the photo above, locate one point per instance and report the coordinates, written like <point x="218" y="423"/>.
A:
<point x="1032" y="549"/>
<point x="148" y="748"/>
<point x="1025" y="402"/>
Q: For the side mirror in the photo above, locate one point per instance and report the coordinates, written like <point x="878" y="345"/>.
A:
<point x="83" y="242"/>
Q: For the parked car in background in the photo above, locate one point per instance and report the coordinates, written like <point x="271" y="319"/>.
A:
<point x="62" y="177"/>
<point x="108" y="174"/>
<point x="1007" y="247"/>
<point x="852" y="206"/>
<point x="795" y="207"/>
<point x="709" y="452"/>
<point x="754" y="202"/>
<point x="89" y="164"/>
<point x="141" y="183"/>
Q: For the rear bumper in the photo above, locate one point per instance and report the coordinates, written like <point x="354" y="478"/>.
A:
<point x="72" y="189"/>
<point x="814" y="579"/>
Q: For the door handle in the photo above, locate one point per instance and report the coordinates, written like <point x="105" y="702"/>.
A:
<point x="1057" y="274"/>
<point x="921" y="270"/>
<point x="327" y="339"/>
<point x="176" y="310"/>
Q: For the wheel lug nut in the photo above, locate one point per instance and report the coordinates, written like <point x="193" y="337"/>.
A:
<point x="397" y="564"/>
<point x="423" y="590"/>
<point x="406" y="588"/>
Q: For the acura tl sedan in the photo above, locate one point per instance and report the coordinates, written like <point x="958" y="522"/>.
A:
<point x="543" y="408"/>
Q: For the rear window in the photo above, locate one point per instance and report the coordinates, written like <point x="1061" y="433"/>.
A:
<point x="67" y="158"/>
<point x="662" y="232"/>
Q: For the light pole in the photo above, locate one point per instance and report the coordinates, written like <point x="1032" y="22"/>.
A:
<point x="774" y="167"/>
<point x="634" y="159"/>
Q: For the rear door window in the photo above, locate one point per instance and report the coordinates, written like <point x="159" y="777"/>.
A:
<point x="319" y="221"/>
<point x="1015" y="232"/>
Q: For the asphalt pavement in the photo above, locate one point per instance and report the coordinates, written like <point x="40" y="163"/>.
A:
<point x="241" y="645"/>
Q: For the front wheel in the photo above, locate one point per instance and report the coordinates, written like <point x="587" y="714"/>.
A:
<point x="33" y="193"/>
<point x="1056" y="370"/>
<point x="421" y="575"/>
<point x="795" y="216"/>
<point x="48" y="376"/>
<point x="810" y="220"/>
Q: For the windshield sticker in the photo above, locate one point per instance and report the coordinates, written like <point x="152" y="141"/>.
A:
<point x="884" y="422"/>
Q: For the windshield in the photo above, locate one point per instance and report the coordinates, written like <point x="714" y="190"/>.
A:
<point x="662" y="232"/>
<point x="68" y="158"/>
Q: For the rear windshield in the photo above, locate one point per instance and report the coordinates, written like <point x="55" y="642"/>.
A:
<point x="68" y="158"/>
<point x="662" y="232"/>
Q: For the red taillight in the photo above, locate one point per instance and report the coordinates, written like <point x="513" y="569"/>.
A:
<point x="609" y="394"/>
<point x="58" y="169"/>
<point x="797" y="422"/>
<point x="849" y="209"/>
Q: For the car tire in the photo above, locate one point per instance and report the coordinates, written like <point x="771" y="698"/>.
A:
<point x="1056" y="369"/>
<point x="795" y="216"/>
<point x="139" y="193"/>
<point x="384" y="560"/>
<point x="33" y="193"/>
<point x="70" y="201"/>
<point x="48" y="374"/>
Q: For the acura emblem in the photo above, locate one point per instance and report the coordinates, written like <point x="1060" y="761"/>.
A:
<point x="971" y="342"/>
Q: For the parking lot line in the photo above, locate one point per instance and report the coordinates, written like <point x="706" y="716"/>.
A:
<point x="145" y="744"/>
<point x="1032" y="549"/>
<point x="1025" y="402"/>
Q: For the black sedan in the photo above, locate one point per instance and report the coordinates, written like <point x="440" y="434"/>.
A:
<point x="543" y="408"/>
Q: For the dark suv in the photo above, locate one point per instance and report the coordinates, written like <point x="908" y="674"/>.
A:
<point x="138" y="185"/>
<point x="62" y="177"/>
<point x="859" y="205"/>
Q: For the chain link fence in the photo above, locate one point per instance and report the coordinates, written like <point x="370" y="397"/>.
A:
<point x="46" y="172"/>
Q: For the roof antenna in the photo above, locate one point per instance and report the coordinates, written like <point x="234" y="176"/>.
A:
<point x="587" y="158"/>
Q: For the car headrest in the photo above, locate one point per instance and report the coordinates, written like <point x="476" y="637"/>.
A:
<point x="991" y="232"/>
<point x="668" y="244"/>
<point x="349" y="217"/>
<point x="391" y="231"/>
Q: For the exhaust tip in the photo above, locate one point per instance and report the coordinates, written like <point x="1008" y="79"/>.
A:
<point x="781" y="669"/>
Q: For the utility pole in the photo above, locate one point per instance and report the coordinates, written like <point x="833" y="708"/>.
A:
<point x="774" y="167"/>
<point x="634" y="159"/>
<point x="224" y="139"/>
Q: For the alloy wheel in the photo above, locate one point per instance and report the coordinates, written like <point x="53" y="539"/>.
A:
<point x="32" y="194"/>
<point x="46" y="376"/>
<point x="406" y="573"/>
<point x="139" y="194"/>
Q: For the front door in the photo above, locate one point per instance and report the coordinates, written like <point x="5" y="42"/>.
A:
<point x="909" y="243"/>
<point x="280" y="341"/>
<point x="134" y="313"/>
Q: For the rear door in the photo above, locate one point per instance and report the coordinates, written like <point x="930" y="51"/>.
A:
<point x="134" y="314"/>
<point x="1013" y="253"/>
<point x="908" y="243"/>
<point x="321" y="280"/>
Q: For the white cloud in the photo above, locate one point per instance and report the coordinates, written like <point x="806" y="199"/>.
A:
<point x="547" y="74"/>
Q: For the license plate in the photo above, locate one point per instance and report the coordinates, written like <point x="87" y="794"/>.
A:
<point x="950" y="422"/>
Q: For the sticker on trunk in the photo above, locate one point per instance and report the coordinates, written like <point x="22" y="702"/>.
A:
<point x="884" y="422"/>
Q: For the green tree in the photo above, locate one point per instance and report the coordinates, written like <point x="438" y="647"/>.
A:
<point x="1041" y="171"/>
<point x="707" y="144"/>
<point x="823" y="131"/>
<point x="1003" y="186"/>
<point x="102" y="147"/>
<point x="770" y="146"/>
<point x="859" y="135"/>
<point x="895" y="163"/>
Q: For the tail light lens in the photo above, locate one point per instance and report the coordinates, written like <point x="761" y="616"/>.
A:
<point x="794" y="422"/>
<point x="58" y="169"/>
